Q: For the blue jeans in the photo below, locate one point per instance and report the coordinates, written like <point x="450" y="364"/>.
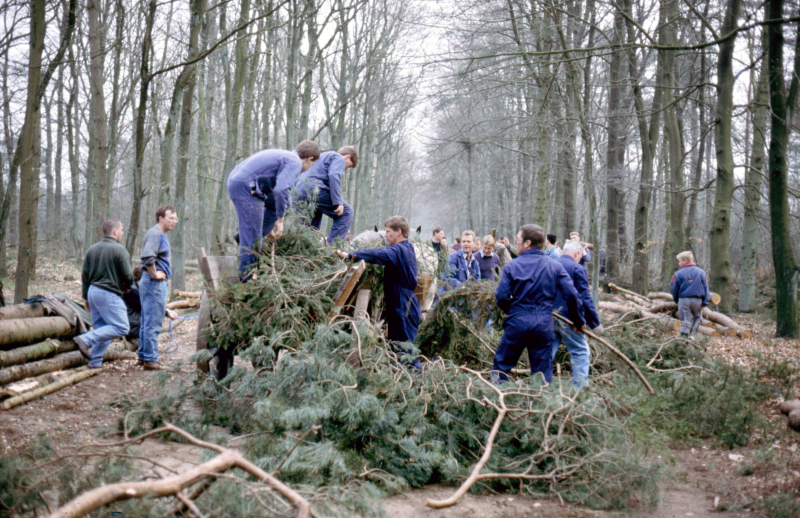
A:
<point x="324" y="205"/>
<point x="109" y="321"/>
<point x="256" y="218"/>
<point x="579" y="352"/>
<point x="153" y="295"/>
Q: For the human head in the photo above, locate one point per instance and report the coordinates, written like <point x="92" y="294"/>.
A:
<point x="113" y="228"/>
<point x="438" y="233"/>
<point x="137" y="273"/>
<point x="530" y="236"/>
<point x="575" y="236"/>
<point x="488" y="245"/>
<point x="458" y="240"/>
<point x="467" y="240"/>
<point x="685" y="258"/>
<point x="350" y="155"/>
<point x="166" y="217"/>
<point x="573" y="249"/>
<point x="551" y="240"/>
<point x="397" y="229"/>
<point x="476" y="245"/>
<point x="308" y="151"/>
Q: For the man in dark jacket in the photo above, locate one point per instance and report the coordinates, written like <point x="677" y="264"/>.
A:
<point x="689" y="287"/>
<point x="105" y="277"/>
<point x="399" y="281"/>
<point x="527" y="292"/>
<point x="325" y="179"/>
<point x="576" y="343"/>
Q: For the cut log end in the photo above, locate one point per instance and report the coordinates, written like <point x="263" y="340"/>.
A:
<point x="794" y="420"/>
<point x="715" y="299"/>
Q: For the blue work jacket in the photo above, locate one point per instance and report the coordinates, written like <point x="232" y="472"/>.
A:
<point x="399" y="281"/>
<point x="580" y="280"/>
<point x="529" y="286"/>
<point x="690" y="281"/>
<point x="270" y="171"/>
<point x="325" y="174"/>
<point x="460" y="271"/>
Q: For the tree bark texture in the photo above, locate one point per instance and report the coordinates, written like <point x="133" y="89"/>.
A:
<point x="21" y="331"/>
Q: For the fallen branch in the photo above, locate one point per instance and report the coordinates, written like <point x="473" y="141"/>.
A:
<point x="173" y="485"/>
<point x="59" y="363"/>
<point x="22" y="311"/>
<point x="20" y="387"/>
<point x="613" y="350"/>
<point x="49" y="389"/>
<point x="188" y="294"/>
<point x="32" y="352"/>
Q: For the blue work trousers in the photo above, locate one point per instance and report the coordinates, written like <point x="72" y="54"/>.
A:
<point x="153" y="295"/>
<point x="579" y="352"/>
<point x="109" y="321"/>
<point x="324" y="206"/>
<point x="256" y="218"/>
<point x="532" y="331"/>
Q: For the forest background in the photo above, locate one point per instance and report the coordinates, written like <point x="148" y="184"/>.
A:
<point x="650" y="126"/>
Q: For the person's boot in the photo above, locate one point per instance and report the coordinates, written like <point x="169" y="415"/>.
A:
<point x="83" y="347"/>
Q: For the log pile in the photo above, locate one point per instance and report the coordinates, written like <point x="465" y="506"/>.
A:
<point x="189" y="299"/>
<point x="662" y="310"/>
<point x="37" y="355"/>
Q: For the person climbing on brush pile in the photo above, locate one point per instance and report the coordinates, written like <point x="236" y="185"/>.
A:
<point x="403" y="313"/>
<point x="689" y="288"/>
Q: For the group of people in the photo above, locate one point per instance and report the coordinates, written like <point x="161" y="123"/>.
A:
<point x="120" y="298"/>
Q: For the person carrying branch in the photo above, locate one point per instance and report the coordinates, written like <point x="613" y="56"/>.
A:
<point x="106" y="275"/>
<point x="399" y="281"/>
<point x="325" y="179"/>
<point x="259" y="188"/>
<point x="689" y="287"/>
<point x="578" y="347"/>
<point x="527" y="292"/>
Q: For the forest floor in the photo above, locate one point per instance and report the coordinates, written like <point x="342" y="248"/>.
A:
<point x="702" y="480"/>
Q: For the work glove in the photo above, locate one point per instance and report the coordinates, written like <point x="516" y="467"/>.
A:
<point x="599" y="330"/>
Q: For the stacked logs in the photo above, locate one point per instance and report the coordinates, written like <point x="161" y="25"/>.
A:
<point x="37" y="355"/>
<point x="187" y="299"/>
<point x="660" y="308"/>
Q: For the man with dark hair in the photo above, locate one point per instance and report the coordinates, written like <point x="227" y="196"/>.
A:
<point x="259" y="188"/>
<point x="105" y="277"/>
<point x="527" y="292"/>
<point x="399" y="281"/>
<point x="439" y="244"/>
<point x="325" y="179"/>
<point x="552" y="249"/>
<point x="154" y="285"/>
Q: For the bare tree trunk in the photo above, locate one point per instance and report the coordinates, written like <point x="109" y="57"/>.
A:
<point x="73" y="147"/>
<point x="98" y="140"/>
<point x="48" y="170"/>
<point x="198" y="12"/>
<point x="753" y="177"/>
<point x="613" y="167"/>
<point x="783" y="105"/>
<point x="29" y="166"/>
<point x="139" y="192"/>
<point x="59" y="152"/>
<point x="720" y="234"/>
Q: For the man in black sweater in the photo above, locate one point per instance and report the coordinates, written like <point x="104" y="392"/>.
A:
<point x="106" y="276"/>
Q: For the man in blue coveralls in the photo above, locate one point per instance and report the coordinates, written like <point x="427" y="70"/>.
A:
<point x="259" y="188"/>
<point x="690" y="292"/>
<point x="576" y="343"/>
<point x="325" y="178"/>
<point x="527" y="292"/>
<point x="399" y="281"/>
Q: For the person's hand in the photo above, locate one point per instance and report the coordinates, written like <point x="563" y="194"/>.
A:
<point x="342" y="255"/>
<point x="86" y="306"/>
<point x="277" y="231"/>
<point x="581" y="330"/>
<point x="339" y="210"/>
<point x="599" y="330"/>
<point x="172" y="315"/>
<point x="160" y="276"/>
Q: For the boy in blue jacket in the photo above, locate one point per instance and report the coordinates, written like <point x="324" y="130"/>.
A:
<point x="325" y="177"/>
<point x="689" y="287"/>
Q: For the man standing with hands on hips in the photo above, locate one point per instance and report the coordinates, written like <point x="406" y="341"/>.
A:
<point x="154" y="285"/>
